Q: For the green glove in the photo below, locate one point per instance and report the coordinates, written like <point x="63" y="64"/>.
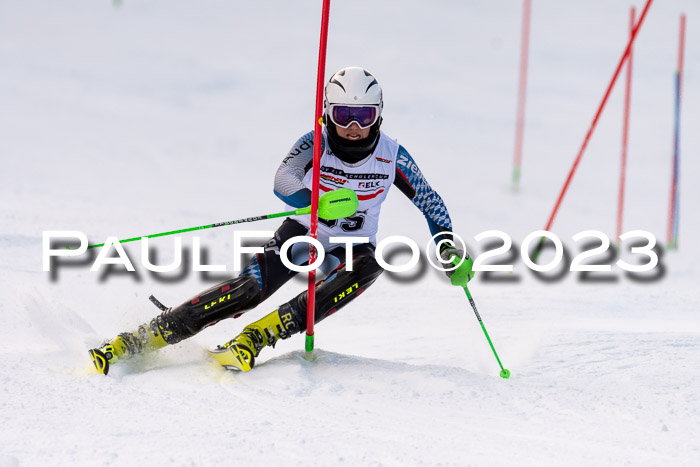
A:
<point x="464" y="272"/>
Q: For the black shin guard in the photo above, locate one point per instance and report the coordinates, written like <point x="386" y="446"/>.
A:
<point x="225" y="300"/>
<point x="339" y="289"/>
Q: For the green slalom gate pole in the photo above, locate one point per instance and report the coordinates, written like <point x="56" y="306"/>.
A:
<point x="335" y="204"/>
<point x="504" y="372"/>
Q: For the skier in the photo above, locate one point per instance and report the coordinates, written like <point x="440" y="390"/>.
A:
<point x="356" y="155"/>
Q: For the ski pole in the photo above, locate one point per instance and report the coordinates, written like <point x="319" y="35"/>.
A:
<point x="504" y="373"/>
<point x="334" y="204"/>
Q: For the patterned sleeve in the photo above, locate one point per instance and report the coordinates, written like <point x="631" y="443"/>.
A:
<point x="411" y="182"/>
<point x="289" y="179"/>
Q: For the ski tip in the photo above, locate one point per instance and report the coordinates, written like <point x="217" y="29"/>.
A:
<point x="236" y="357"/>
<point x="100" y="361"/>
<point x="505" y="373"/>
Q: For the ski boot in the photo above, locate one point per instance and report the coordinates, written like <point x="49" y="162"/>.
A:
<point x="239" y="353"/>
<point x="128" y="344"/>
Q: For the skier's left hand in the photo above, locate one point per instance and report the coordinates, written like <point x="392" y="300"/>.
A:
<point x="463" y="273"/>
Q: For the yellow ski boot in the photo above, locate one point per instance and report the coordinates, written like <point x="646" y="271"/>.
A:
<point x="128" y="344"/>
<point x="239" y="353"/>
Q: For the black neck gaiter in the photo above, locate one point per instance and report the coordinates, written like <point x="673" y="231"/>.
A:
<point x="350" y="151"/>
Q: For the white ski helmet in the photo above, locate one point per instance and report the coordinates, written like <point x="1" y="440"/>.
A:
<point x="353" y="87"/>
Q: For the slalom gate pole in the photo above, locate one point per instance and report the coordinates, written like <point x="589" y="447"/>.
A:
<point x="593" y="125"/>
<point x="316" y="174"/>
<point x="625" y="136"/>
<point x="522" y="90"/>
<point x="504" y="373"/>
<point x="672" y="235"/>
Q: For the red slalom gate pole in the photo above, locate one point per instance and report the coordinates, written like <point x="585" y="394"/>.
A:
<point x="625" y="136"/>
<point x="593" y="124"/>
<point x="673" y="211"/>
<point x="316" y="173"/>
<point x="522" y="89"/>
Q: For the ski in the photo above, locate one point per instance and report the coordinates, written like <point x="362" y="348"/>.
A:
<point x="235" y="357"/>
<point x="100" y="360"/>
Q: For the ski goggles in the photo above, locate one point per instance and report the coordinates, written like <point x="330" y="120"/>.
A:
<point x="344" y="115"/>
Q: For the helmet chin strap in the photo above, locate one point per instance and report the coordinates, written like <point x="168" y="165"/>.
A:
<point x="352" y="151"/>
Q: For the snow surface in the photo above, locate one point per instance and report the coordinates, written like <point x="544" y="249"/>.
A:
<point x="152" y="116"/>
